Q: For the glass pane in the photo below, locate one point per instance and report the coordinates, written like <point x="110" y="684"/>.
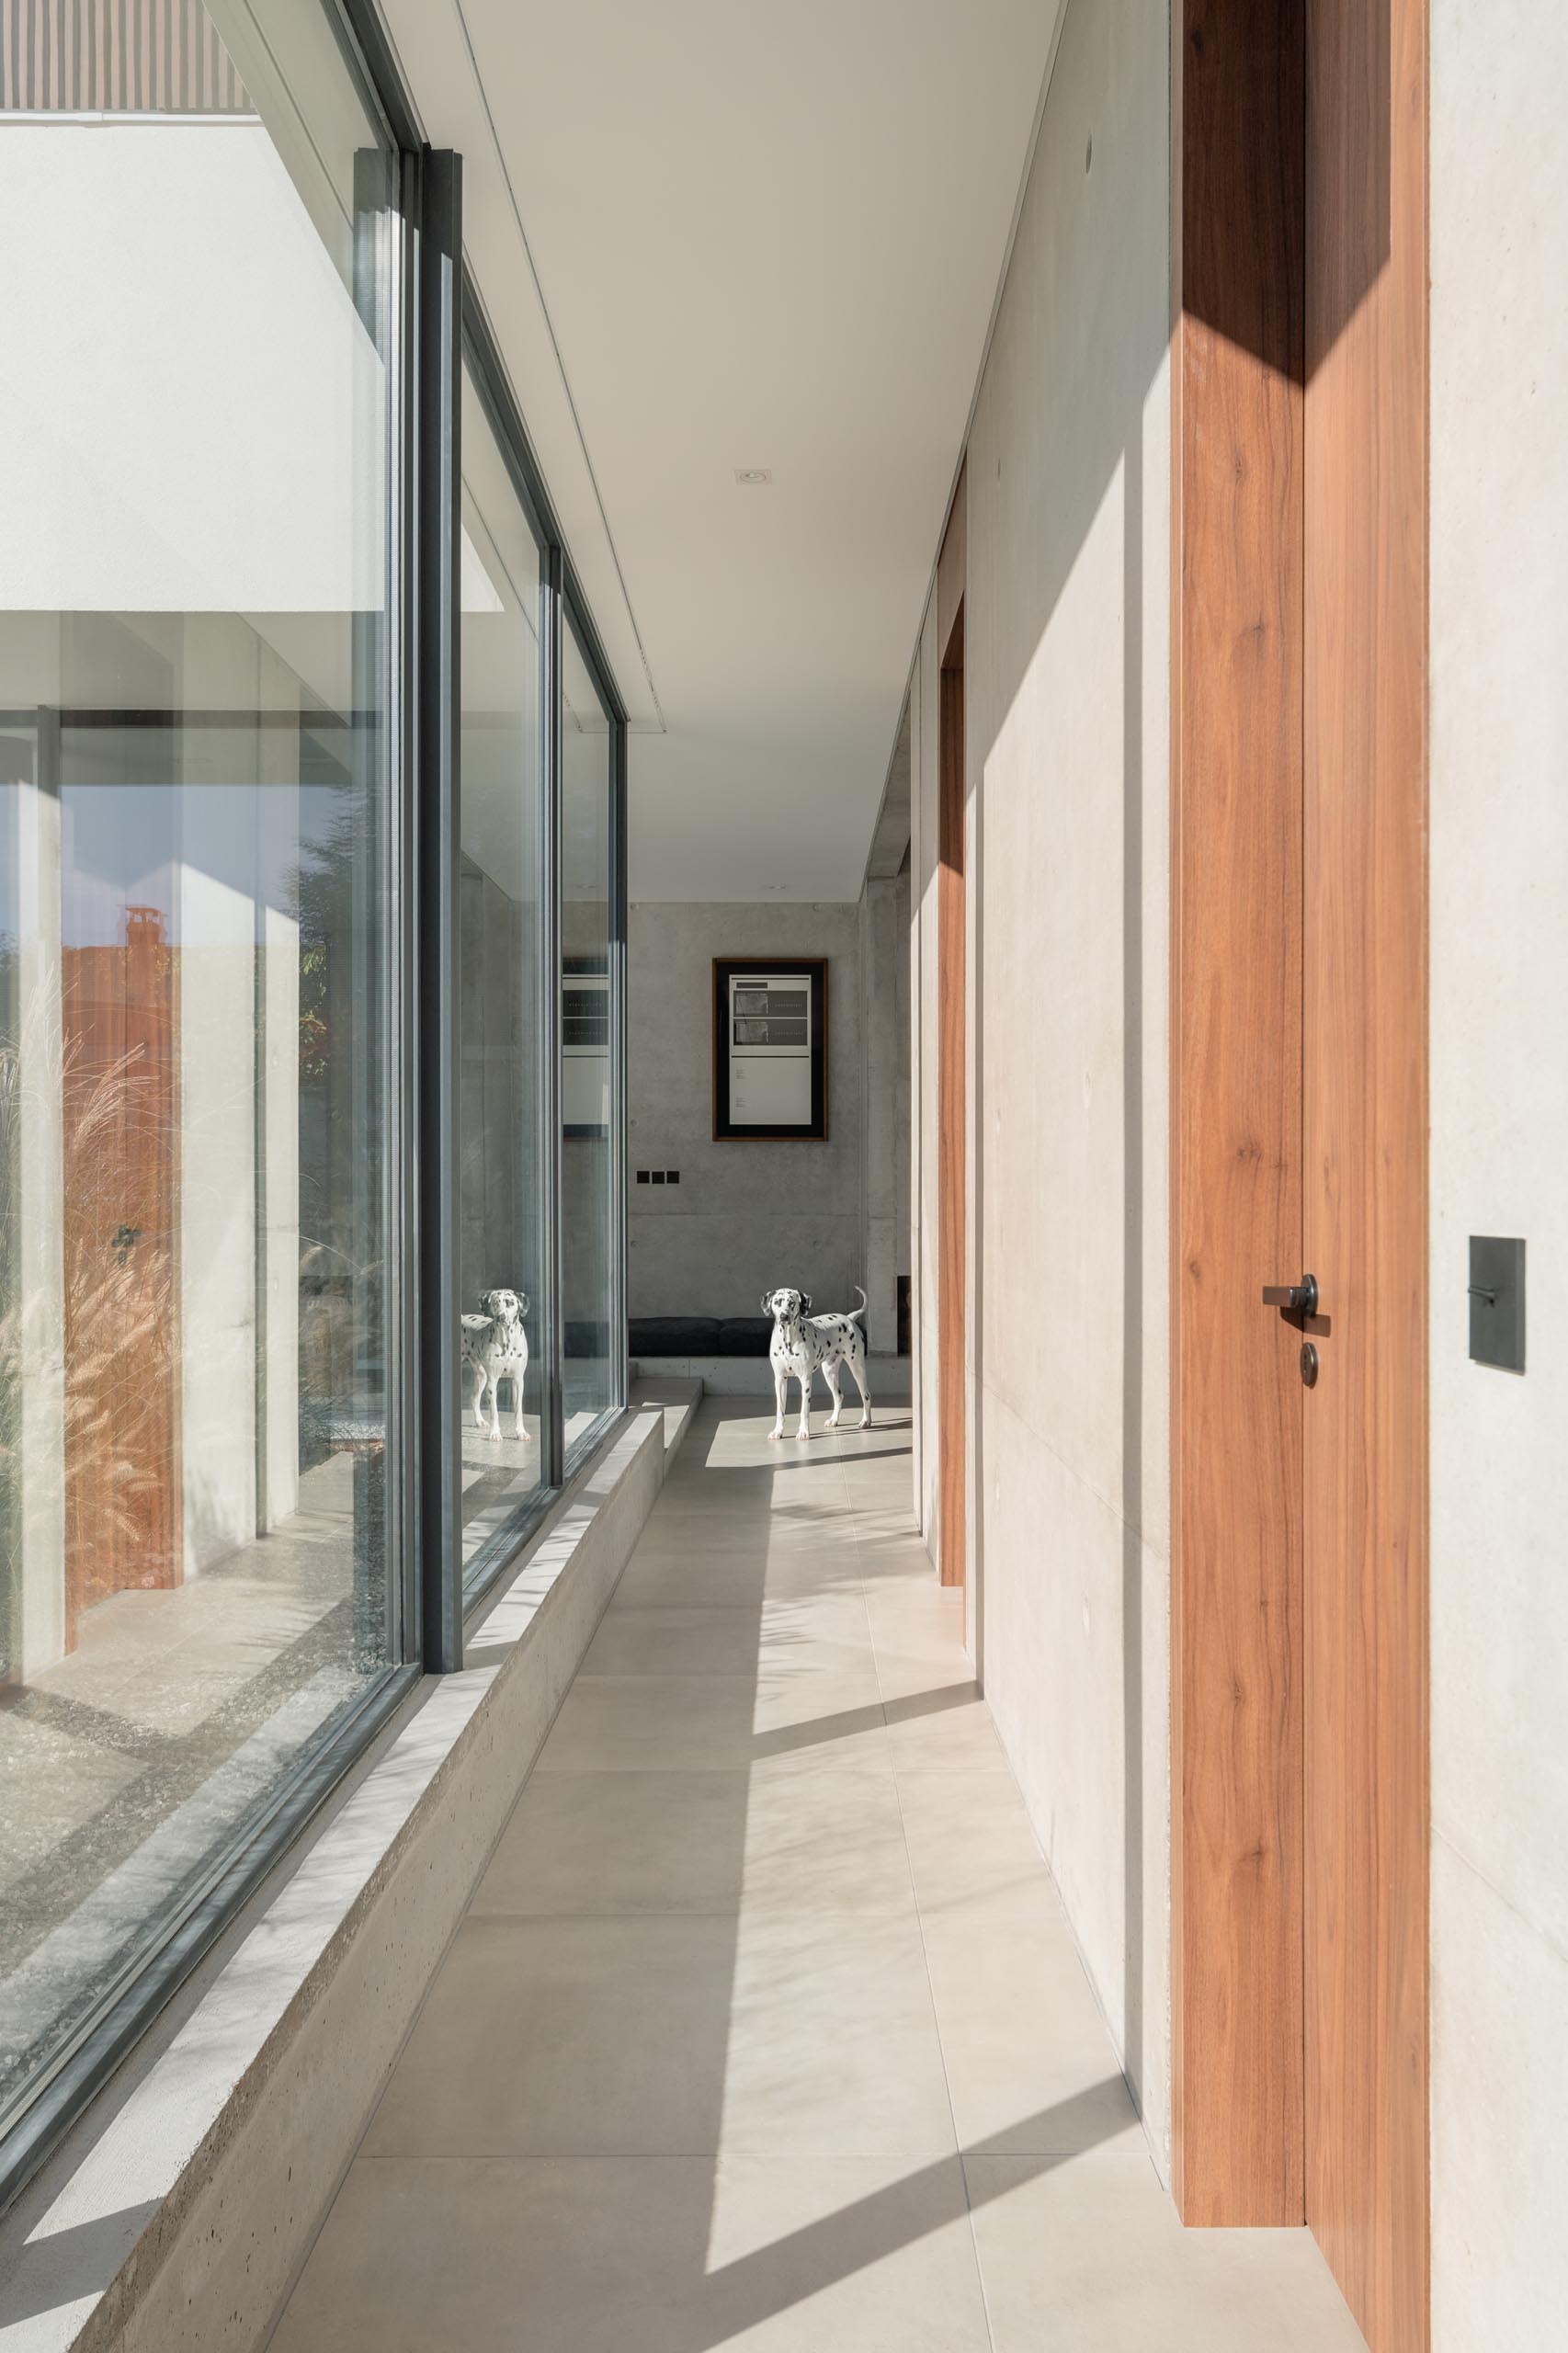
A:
<point x="194" y="1565"/>
<point x="500" y="996"/>
<point x="586" y="1219"/>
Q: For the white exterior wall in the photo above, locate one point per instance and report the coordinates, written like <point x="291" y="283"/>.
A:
<point x="1066" y="702"/>
<point x="1499" y="1074"/>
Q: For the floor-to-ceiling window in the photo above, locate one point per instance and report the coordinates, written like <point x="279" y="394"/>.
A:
<point x="588" y="1221"/>
<point x="199" y="1574"/>
<point x="219" y="1006"/>
<point x="503" y="1035"/>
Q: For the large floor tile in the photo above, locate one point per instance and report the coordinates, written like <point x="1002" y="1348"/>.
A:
<point x="773" y="1837"/>
<point x="677" y="1578"/>
<point x="1030" y="2058"/>
<point x="596" y="1842"/>
<point x="1086" y="2252"/>
<point x="970" y="1838"/>
<point x="821" y="1840"/>
<point x="825" y="1635"/>
<point x="675" y="1642"/>
<point x="583" y="2037"/>
<point x="642" y="2256"/>
<point x="833" y="2043"/>
<point x="652" y="1724"/>
<point x="831" y="1720"/>
<point x="717" y="1723"/>
<point x="943" y="1728"/>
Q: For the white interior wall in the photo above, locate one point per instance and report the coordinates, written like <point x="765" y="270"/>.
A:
<point x="1499" y="1079"/>
<point x="1067" y="695"/>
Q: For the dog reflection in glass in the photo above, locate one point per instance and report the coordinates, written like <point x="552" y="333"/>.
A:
<point x="495" y="1349"/>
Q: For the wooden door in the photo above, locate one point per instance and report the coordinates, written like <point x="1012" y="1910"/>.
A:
<point x="1363" y="1159"/>
<point x="951" y="1068"/>
<point x="1236" y="1116"/>
<point x="120" y="1134"/>
<point x="1299" y="1124"/>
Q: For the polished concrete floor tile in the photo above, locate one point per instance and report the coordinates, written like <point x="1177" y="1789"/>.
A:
<point x="970" y="1836"/>
<point x="907" y="1673"/>
<point x="833" y="2043"/>
<point x="1030" y="2064"/>
<point x="567" y="2038"/>
<point x="679" y="1578"/>
<point x="943" y="1728"/>
<point x="714" y="1723"/>
<point x="796" y="1636"/>
<point x="642" y="2256"/>
<point x="764" y="1535"/>
<point x="828" y="1720"/>
<point x="778" y="1836"/>
<point x="830" y="1614"/>
<point x="675" y="1642"/>
<point x="652" y="1724"/>
<point x="1086" y="2252"/>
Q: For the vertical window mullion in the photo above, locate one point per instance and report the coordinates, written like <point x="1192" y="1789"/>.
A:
<point x="402" y="1157"/>
<point x="550" y="1059"/>
<point x="437" y="791"/>
<point x="619" y="849"/>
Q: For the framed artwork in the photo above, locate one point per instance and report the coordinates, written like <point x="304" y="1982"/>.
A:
<point x="771" y="1049"/>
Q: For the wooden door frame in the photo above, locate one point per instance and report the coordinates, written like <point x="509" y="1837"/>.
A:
<point x="1241" y="1846"/>
<point x="952" y="1089"/>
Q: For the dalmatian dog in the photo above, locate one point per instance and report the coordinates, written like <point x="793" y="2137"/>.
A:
<point x="495" y="1349"/>
<point x="805" y="1343"/>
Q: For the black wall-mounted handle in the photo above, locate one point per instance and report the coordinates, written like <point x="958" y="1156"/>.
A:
<point x="1296" y="1299"/>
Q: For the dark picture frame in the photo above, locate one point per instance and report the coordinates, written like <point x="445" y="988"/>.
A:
<point x="813" y="1129"/>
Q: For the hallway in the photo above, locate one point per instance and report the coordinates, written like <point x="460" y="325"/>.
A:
<point x="766" y="2026"/>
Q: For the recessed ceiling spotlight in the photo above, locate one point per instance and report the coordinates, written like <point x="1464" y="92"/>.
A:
<point x="753" y="477"/>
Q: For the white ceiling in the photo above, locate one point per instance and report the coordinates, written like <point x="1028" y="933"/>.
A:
<point x="713" y="235"/>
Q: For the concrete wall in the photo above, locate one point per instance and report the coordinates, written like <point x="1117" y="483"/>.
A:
<point x="885" y="1014"/>
<point x="923" y="1069"/>
<point x="1066" y="683"/>
<point x="744" y="1216"/>
<point x="1499" y="851"/>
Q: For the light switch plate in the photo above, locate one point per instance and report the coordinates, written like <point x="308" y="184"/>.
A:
<point x="1497" y="1302"/>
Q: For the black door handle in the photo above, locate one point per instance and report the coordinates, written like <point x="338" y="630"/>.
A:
<point x="1296" y="1299"/>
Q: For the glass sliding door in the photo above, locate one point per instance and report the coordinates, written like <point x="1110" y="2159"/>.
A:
<point x="505" y="1259"/>
<point x="199" y="1586"/>
<point x="590" y="1222"/>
